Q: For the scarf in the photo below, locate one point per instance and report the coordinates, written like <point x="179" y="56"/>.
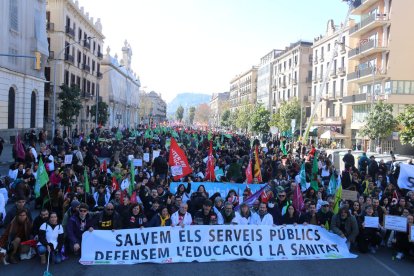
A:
<point x="163" y="221"/>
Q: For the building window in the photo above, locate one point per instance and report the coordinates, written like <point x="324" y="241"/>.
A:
<point x="13" y="58"/>
<point x="12" y="103"/>
<point x="14" y="15"/>
<point x="33" y="110"/>
<point x="66" y="78"/>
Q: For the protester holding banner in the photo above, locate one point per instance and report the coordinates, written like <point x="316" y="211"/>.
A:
<point x="135" y="218"/>
<point x="345" y="225"/>
<point x="77" y="225"/>
<point x="181" y="217"/>
<point x="262" y="217"/>
<point x="161" y="219"/>
<point x="51" y="239"/>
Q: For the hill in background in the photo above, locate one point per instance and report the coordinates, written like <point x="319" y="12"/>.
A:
<point x="187" y="100"/>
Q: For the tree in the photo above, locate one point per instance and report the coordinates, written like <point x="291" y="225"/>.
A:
<point x="191" y="115"/>
<point x="243" y="118"/>
<point x="406" y="120"/>
<point x="233" y="118"/>
<point x="380" y="122"/>
<point x="260" y="119"/>
<point x="288" y="111"/>
<point x="103" y="112"/>
<point x="70" y="105"/>
<point x="202" y="113"/>
<point x="275" y="119"/>
<point x="225" y="119"/>
<point x="179" y="114"/>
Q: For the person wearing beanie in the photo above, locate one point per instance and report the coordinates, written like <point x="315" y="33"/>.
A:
<point x="74" y="208"/>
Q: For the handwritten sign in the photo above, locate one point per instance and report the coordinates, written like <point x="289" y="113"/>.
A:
<point x="396" y="223"/>
<point x="146" y="157"/>
<point x="349" y="195"/>
<point x="371" y="222"/>
<point x="137" y="162"/>
<point x="155" y="154"/>
<point x="68" y="159"/>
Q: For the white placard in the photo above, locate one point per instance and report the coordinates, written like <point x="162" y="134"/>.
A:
<point x="412" y="233"/>
<point x="137" y="162"/>
<point x="395" y="223"/>
<point x="130" y="157"/>
<point x="155" y="154"/>
<point x="176" y="170"/>
<point x="68" y="159"/>
<point x="205" y="159"/>
<point x="371" y="222"/>
<point x="146" y="157"/>
<point x="211" y="243"/>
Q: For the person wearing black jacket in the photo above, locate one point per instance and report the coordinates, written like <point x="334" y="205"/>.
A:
<point x="368" y="238"/>
<point x="206" y="216"/>
<point x="51" y="239"/>
<point x="135" y="218"/>
<point x="291" y="216"/>
<point x="39" y="220"/>
<point x="109" y="219"/>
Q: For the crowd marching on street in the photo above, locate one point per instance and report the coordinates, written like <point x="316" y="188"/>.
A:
<point x="120" y="179"/>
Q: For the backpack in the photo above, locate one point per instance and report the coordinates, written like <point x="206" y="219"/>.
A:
<point x="75" y="159"/>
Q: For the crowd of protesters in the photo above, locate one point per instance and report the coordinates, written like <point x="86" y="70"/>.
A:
<point x="100" y="189"/>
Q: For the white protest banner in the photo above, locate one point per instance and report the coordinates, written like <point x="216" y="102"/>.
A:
<point x="176" y="170"/>
<point x="137" y="162"/>
<point x="396" y="223"/>
<point x="406" y="178"/>
<point x="155" y="154"/>
<point x="371" y="222"/>
<point x="206" y="243"/>
<point x="68" y="159"/>
<point x="146" y="157"/>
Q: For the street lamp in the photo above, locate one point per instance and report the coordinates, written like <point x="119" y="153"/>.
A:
<point x="54" y="82"/>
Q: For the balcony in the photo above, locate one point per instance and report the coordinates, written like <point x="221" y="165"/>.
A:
<point x="86" y="96"/>
<point x="354" y="99"/>
<point x="333" y="74"/>
<point x="321" y="59"/>
<point x="294" y="81"/>
<point x="100" y="55"/>
<point x="315" y="61"/>
<point x="50" y="26"/>
<point x="362" y="5"/>
<point x="331" y="120"/>
<point x="283" y="84"/>
<point x="70" y="31"/>
<point x="99" y="75"/>
<point x="86" y="68"/>
<point x="320" y="77"/>
<point x="86" y="44"/>
<point x="341" y="71"/>
<point x="315" y="79"/>
<point x="365" y="75"/>
<point x="69" y="58"/>
<point x="366" y="49"/>
<point x="369" y="23"/>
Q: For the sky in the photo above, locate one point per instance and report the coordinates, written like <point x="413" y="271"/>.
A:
<point x="200" y="45"/>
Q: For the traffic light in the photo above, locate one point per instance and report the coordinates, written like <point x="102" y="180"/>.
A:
<point x="38" y="61"/>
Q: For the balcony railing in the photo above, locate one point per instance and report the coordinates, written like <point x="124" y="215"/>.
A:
<point x="100" y="55"/>
<point x="341" y="71"/>
<point x="50" y="26"/>
<point x="368" y="20"/>
<point x="355" y="98"/>
<point x="283" y="84"/>
<point x="333" y="74"/>
<point x="86" y="96"/>
<point x="360" y="73"/>
<point x="86" y="67"/>
<point x="370" y="44"/>
<point x="86" y="44"/>
<point x="315" y="60"/>
<point x="320" y="77"/>
<point x="69" y="58"/>
<point x="99" y="75"/>
<point x="70" y="31"/>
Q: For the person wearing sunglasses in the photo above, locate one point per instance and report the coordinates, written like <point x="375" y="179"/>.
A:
<point x="77" y="225"/>
<point x="109" y="219"/>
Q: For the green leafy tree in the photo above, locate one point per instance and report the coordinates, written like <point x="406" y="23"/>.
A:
<point x="103" y="112"/>
<point x="179" y="114"/>
<point x="191" y="114"/>
<point x="275" y="119"/>
<point x="406" y="120"/>
<point x="288" y="111"/>
<point x="380" y="122"/>
<point x="70" y="105"/>
<point x="225" y="119"/>
<point x="243" y="118"/>
<point x="233" y="118"/>
<point x="260" y="119"/>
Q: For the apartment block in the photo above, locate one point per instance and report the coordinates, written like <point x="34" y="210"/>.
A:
<point x="22" y="81"/>
<point x="218" y="104"/>
<point x="243" y="89"/>
<point x="331" y="113"/>
<point x="292" y="75"/>
<point x="153" y="109"/>
<point x="75" y="43"/>
<point x="380" y="62"/>
<point x="264" y="79"/>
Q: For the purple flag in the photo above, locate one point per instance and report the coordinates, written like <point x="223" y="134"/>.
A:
<point x="253" y="197"/>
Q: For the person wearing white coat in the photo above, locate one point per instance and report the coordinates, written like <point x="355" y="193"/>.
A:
<point x="262" y="217"/>
<point x="181" y="217"/>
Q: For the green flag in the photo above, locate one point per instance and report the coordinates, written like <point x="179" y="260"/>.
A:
<point x="315" y="169"/>
<point x="209" y="136"/>
<point x="303" y="177"/>
<point x="42" y="178"/>
<point x="86" y="180"/>
<point x="283" y="147"/>
<point x="228" y="136"/>
<point x="337" y="201"/>
<point x="132" y="183"/>
<point x="118" y="135"/>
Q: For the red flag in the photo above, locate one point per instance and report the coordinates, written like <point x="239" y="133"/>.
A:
<point x="115" y="185"/>
<point x="19" y="149"/>
<point x="210" y="175"/>
<point x="297" y="201"/>
<point x="264" y="196"/>
<point x="177" y="158"/>
<point x="257" y="171"/>
<point x="104" y="167"/>
<point x="249" y="174"/>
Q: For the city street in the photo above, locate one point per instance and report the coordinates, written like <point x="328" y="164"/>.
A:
<point x="378" y="264"/>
